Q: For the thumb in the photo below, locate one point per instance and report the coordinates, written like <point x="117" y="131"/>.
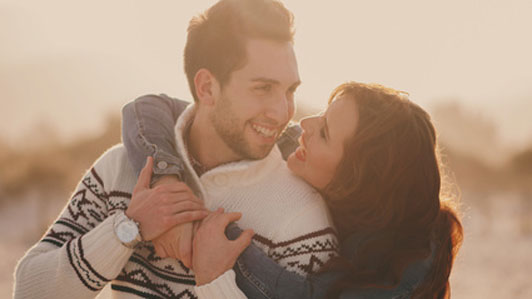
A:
<point x="242" y="242"/>
<point x="229" y="217"/>
<point x="144" y="179"/>
<point x="185" y="244"/>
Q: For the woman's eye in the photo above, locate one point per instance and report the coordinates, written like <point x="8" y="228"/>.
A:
<point x="322" y="133"/>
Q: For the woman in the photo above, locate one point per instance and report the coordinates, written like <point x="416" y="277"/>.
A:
<point x="373" y="157"/>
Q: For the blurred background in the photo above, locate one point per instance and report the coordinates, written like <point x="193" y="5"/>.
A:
<point x="67" y="68"/>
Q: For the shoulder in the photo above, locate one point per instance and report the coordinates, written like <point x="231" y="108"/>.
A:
<point x="294" y="187"/>
<point x="111" y="157"/>
<point x="308" y="211"/>
<point x="301" y="199"/>
<point x="312" y="216"/>
<point x="113" y="166"/>
<point x="160" y="97"/>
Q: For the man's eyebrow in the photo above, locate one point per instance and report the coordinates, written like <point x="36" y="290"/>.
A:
<point x="265" y="80"/>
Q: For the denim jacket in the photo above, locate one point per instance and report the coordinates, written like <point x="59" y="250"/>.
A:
<point x="148" y="130"/>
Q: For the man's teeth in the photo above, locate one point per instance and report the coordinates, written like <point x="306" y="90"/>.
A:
<point x="264" y="131"/>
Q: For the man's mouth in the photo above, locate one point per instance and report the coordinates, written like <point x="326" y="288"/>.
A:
<point x="264" y="131"/>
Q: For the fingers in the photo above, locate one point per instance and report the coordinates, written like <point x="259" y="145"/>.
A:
<point x="242" y="242"/>
<point x="174" y="187"/>
<point x="219" y="219"/>
<point x="167" y="196"/>
<point x="227" y="218"/>
<point x="144" y="179"/>
<point x="177" y="197"/>
<point x="211" y="216"/>
<point x="170" y="199"/>
<point x="184" y="217"/>
<point x="184" y="206"/>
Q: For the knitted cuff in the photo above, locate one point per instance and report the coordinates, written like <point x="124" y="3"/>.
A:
<point x="222" y="287"/>
<point x="103" y="253"/>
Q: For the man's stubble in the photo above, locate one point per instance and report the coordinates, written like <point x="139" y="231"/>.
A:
<point x="231" y="130"/>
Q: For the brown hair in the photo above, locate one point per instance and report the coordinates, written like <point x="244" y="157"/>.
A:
<point x="388" y="186"/>
<point x="216" y="39"/>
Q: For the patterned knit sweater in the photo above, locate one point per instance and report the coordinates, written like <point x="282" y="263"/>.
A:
<point x="80" y="253"/>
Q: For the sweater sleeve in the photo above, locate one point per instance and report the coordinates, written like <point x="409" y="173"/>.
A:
<point x="306" y="242"/>
<point x="223" y="287"/>
<point x="79" y="254"/>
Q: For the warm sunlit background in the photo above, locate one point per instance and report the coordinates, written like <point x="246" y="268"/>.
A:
<point x="67" y="67"/>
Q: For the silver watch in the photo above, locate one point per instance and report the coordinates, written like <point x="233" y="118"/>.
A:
<point x="127" y="230"/>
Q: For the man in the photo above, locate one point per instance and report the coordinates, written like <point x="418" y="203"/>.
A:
<point x="242" y="73"/>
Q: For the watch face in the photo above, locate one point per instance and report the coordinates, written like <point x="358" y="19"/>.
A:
<point x="127" y="231"/>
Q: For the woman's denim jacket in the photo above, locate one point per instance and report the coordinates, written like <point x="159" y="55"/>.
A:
<point x="148" y="130"/>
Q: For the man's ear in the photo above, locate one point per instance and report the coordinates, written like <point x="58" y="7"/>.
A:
<point x="207" y="87"/>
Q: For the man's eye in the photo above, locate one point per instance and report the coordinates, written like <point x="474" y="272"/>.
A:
<point x="292" y="91"/>
<point x="264" y="88"/>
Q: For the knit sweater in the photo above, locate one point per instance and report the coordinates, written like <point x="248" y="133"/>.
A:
<point x="80" y="253"/>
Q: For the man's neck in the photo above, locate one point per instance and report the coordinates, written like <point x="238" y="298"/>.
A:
<point x="205" y="145"/>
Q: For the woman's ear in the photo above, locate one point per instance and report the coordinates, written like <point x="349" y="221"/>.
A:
<point x="207" y="87"/>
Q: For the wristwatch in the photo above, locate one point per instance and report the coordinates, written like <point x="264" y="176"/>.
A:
<point x="127" y="230"/>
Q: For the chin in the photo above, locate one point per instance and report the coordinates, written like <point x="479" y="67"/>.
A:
<point x="263" y="151"/>
<point x="292" y="163"/>
<point x="256" y="154"/>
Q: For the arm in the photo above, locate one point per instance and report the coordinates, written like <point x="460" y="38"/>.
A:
<point x="259" y="276"/>
<point x="214" y="254"/>
<point x="79" y="254"/>
<point x="148" y="130"/>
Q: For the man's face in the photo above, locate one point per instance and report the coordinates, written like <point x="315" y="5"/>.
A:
<point x="257" y="102"/>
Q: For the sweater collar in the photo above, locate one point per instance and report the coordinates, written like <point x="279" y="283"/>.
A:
<point x="233" y="173"/>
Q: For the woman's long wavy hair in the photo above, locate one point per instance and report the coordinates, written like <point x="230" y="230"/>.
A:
<point x="388" y="185"/>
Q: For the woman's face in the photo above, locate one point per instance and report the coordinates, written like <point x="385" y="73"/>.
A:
<point x="321" y="145"/>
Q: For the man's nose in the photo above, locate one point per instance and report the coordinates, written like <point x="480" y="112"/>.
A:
<point x="280" y="110"/>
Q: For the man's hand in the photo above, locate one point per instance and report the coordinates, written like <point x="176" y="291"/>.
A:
<point x="163" y="207"/>
<point x="177" y="241"/>
<point x="213" y="253"/>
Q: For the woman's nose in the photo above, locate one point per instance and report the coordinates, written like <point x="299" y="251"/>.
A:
<point x="307" y="123"/>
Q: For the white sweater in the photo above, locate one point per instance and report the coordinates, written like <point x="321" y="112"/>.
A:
<point x="80" y="253"/>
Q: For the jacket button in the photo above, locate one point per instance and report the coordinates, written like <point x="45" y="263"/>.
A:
<point x="162" y="164"/>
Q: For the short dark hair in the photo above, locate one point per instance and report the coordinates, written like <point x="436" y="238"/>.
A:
<point x="216" y="39"/>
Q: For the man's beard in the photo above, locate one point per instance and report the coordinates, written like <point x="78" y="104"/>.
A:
<point x="232" y="131"/>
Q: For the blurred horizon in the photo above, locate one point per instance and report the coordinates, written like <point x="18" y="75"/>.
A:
<point x="69" y="64"/>
<point x="67" y="68"/>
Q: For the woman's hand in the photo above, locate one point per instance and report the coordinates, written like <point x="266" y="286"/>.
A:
<point x="213" y="254"/>
<point x="163" y="207"/>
